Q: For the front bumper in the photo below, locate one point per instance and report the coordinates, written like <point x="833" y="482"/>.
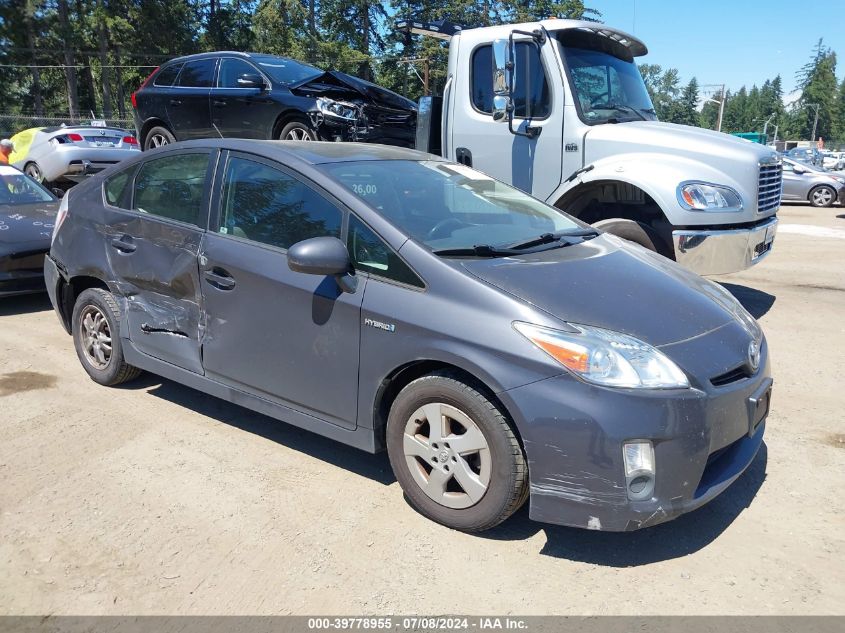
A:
<point x="573" y="434"/>
<point x="722" y="251"/>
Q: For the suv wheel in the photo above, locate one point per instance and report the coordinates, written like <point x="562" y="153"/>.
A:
<point x="157" y="137"/>
<point x="96" y="337"/>
<point x="822" y="196"/>
<point x="455" y="454"/>
<point x="297" y="131"/>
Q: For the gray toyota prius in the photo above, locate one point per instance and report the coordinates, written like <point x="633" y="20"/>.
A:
<point x="497" y="348"/>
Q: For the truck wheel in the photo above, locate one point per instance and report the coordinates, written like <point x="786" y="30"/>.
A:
<point x="297" y="131"/>
<point x="633" y="232"/>
<point x="96" y="336"/>
<point x="822" y="196"/>
<point x="455" y="454"/>
<point x="157" y="137"/>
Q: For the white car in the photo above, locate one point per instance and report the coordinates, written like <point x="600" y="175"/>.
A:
<point x="56" y="154"/>
<point x="835" y="161"/>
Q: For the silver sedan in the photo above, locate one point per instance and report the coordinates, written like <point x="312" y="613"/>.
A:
<point x="50" y="155"/>
<point x="811" y="184"/>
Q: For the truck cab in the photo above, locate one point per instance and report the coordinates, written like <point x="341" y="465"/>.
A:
<point x="559" y="109"/>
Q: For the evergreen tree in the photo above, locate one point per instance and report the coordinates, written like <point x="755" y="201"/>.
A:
<point x="817" y="80"/>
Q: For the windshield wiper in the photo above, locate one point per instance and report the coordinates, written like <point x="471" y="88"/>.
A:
<point x="555" y="240"/>
<point x="548" y="238"/>
<point x="621" y="107"/>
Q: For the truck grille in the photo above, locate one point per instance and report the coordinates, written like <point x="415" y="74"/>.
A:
<point x="769" y="187"/>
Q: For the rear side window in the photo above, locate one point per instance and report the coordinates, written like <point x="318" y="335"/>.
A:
<point x="369" y="253"/>
<point x="117" y="187"/>
<point x="198" y="74"/>
<point x="531" y="97"/>
<point x="172" y="187"/>
<point x="166" y="76"/>
<point x="266" y="205"/>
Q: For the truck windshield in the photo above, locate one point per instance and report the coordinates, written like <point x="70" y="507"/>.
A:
<point x="449" y="207"/>
<point x="606" y="88"/>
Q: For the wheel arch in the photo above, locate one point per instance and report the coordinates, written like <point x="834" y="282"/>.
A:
<point x="69" y="290"/>
<point x="405" y="374"/>
<point x="285" y="117"/>
<point x="148" y="125"/>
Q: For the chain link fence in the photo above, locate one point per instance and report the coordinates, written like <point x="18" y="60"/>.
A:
<point x="11" y="124"/>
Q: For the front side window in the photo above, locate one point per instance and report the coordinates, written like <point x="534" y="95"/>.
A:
<point x="369" y="253"/>
<point x="266" y="205"/>
<point x="198" y="74"/>
<point x="607" y="87"/>
<point x="531" y="98"/>
<point x="172" y="187"/>
<point x="230" y="70"/>
<point x="448" y="206"/>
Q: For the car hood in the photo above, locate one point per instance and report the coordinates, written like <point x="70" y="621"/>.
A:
<point x="25" y="226"/>
<point x="336" y="84"/>
<point x="613" y="284"/>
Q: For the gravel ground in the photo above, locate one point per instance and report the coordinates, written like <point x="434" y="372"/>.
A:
<point x="156" y="499"/>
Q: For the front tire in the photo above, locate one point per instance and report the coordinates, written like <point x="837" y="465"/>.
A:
<point x="297" y="131"/>
<point x="455" y="454"/>
<point x="96" y="336"/>
<point x="633" y="232"/>
<point x="159" y="136"/>
<point x="822" y="196"/>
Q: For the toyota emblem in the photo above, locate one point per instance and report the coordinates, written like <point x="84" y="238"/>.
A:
<point x="754" y="355"/>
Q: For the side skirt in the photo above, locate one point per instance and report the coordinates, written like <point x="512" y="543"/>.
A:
<point x="362" y="438"/>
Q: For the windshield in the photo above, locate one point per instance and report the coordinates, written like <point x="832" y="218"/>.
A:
<point x="448" y="206"/>
<point x="286" y="71"/>
<point x="15" y="188"/>
<point x="607" y="88"/>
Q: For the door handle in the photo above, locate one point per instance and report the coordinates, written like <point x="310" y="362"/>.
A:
<point x="175" y="102"/>
<point x="219" y="278"/>
<point x="219" y="103"/>
<point x="124" y="244"/>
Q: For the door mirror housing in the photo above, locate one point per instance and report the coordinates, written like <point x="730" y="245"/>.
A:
<point x="503" y="68"/>
<point x="251" y="80"/>
<point x="325" y="256"/>
<point x="799" y="170"/>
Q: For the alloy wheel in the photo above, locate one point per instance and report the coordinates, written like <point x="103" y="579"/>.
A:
<point x="159" y="140"/>
<point x="298" y="134"/>
<point x="33" y="172"/>
<point x="96" y="337"/>
<point x="822" y="197"/>
<point x="447" y="455"/>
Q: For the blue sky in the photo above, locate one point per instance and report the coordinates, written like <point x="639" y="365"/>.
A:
<point x="739" y="42"/>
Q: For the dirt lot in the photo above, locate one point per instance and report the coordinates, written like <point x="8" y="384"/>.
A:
<point x="154" y="498"/>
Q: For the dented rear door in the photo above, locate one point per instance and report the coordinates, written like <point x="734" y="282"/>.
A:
<point x="153" y="250"/>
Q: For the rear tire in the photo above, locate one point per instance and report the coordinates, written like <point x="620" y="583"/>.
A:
<point x="822" y="196"/>
<point x="158" y="136"/>
<point x="297" y="131"/>
<point x="469" y="475"/>
<point x="34" y="171"/>
<point x="95" y="326"/>
<point x="633" y="232"/>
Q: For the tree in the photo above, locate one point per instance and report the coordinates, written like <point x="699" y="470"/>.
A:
<point x="685" y="110"/>
<point x="663" y="88"/>
<point x="817" y="80"/>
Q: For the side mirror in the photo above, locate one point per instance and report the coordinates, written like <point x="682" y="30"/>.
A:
<point x="503" y="71"/>
<point x="251" y="80"/>
<point x="325" y="256"/>
<point x="799" y="170"/>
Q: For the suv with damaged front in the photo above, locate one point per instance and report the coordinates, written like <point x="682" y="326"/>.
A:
<point x="497" y="348"/>
<point x="251" y="95"/>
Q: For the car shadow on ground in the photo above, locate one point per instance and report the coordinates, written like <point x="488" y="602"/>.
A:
<point x="680" y="537"/>
<point x="375" y="467"/>
<point x="755" y="301"/>
<point x="24" y="304"/>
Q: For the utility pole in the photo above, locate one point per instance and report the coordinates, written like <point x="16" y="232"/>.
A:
<point x="720" y="101"/>
<point x="426" y="70"/>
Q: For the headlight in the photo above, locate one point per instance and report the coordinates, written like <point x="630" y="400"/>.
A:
<point x="606" y="358"/>
<point x="700" y="196"/>
<point x="336" y="109"/>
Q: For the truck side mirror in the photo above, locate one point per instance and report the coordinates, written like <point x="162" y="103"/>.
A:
<point x="503" y="70"/>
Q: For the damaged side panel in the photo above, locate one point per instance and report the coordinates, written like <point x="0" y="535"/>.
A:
<point x="156" y="271"/>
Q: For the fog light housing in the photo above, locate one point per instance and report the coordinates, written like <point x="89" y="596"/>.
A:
<point x="639" y="469"/>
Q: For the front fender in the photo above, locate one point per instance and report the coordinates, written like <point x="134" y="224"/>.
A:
<point x="659" y="175"/>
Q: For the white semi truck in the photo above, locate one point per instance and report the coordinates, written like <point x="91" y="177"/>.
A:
<point x="559" y="109"/>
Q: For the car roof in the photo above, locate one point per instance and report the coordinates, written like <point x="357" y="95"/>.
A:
<point x="312" y="152"/>
<point x="216" y="54"/>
